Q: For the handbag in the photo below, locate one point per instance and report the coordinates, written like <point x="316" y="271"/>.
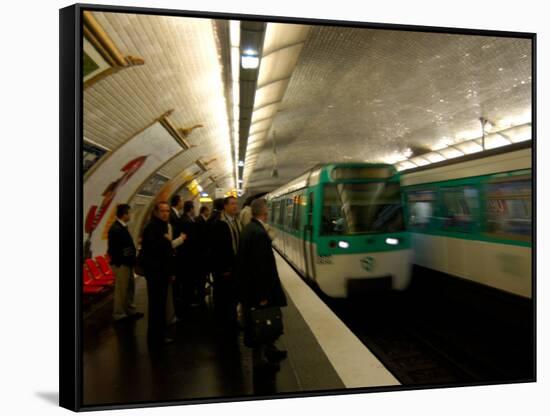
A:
<point x="267" y="324"/>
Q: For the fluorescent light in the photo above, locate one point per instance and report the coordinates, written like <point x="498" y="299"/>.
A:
<point x="240" y="181"/>
<point x="392" y="241"/>
<point x="199" y="188"/>
<point x="204" y="194"/>
<point x="451" y="152"/>
<point x="343" y="244"/>
<point x="434" y="157"/>
<point x="420" y="161"/>
<point x="470" y="147"/>
<point x="241" y="163"/>
<point x="250" y="61"/>
<point x="406" y="165"/>
<point x="495" y="140"/>
<point x="235" y="33"/>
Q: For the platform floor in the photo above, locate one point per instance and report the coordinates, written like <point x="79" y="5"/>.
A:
<point x="202" y="363"/>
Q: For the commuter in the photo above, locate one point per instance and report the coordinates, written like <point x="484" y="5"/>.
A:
<point x="158" y="263"/>
<point x="204" y="213"/>
<point x="178" y="286"/>
<point x="245" y="216"/>
<point x="174" y="228"/>
<point x="176" y="206"/>
<point x="122" y="251"/>
<point x="259" y="282"/>
<point x="225" y="245"/>
<point x="217" y="209"/>
<point x="192" y="292"/>
<point x="202" y="238"/>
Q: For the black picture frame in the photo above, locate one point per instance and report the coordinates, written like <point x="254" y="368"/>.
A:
<point x="71" y="183"/>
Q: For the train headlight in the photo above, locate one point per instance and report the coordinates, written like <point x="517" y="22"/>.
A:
<point x="343" y="244"/>
<point x="392" y="241"/>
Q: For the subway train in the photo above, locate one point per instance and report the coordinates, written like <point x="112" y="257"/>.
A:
<point x="472" y="219"/>
<point x="342" y="226"/>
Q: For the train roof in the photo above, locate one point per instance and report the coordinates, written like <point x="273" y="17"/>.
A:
<point x="320" y="173"/>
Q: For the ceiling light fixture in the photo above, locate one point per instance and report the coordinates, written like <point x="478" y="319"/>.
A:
<point x="250" y="60"/>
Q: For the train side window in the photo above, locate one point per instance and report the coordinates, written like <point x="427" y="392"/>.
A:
<point x="275" y="212"/>
<point x="296" y="214"/>
<point x="421" y="208"/>
<point x="282" y="208"/>
<point x="289" y="208"/>
<point x="459" y="207"/>
<point x="508" y="209"/>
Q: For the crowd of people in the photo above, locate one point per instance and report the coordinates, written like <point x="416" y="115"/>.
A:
<point x="181" y="254"/>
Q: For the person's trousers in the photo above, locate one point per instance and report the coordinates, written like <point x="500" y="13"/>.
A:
<point x="124" y="291"/>
<point x="170" y="310"/>
<point x="180" y="289"/>
<point x="225" y="301"/>
<point x="157" y="293"/>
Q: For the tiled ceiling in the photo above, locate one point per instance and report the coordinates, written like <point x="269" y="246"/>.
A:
<point x="182" y="71"/>
<point x="362" y="94"/>
<point x="355" y="94"/>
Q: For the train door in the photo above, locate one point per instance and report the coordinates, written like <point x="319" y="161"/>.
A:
<point x="309" y="252"/>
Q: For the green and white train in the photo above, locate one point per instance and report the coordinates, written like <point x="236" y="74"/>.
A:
<point x="473" y="219"/>
<point x="351" y="228"/>
<point x="341" y="225"/>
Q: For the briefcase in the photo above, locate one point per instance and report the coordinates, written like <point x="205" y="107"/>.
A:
<point x="267" y="324"/>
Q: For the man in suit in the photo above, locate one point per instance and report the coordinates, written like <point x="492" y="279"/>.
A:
<point x="202" y="239"/>
<point x="259" y="281"/>
<point x="158" y="263"/>
<point x="193" y="294"/>
<point x="122" y="251"/>
<point x="225" y="244"/>
<point x="178" y="286"/>
<point x="176" y="206"/>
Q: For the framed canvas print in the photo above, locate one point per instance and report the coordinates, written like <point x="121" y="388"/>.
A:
<point x="257" y="207"/>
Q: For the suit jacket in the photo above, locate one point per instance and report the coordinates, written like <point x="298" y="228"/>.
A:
<point x="223" y="252"/>
<point x="188" y="249"/>
<point x="256" y="268"/>
<point x="158" y="254"/>
<point x="120" y="245"/>
<point x="201" y="229"/>
<point x="175" y="221"/>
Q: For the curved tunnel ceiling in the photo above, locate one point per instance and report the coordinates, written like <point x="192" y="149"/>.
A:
<point x="325" y="93"/>
<point x="182" y="71"/>
<point x="365" y="94"/>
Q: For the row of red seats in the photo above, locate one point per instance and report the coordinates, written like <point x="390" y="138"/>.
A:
<point x="97" y="275"/>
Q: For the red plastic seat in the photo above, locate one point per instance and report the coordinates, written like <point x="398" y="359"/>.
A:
<point x="97" y="275"/>
<point x="105" y="267"/>
<point x="92" y="290"/>
<point x="90" y="286"/>
<point x="88" y="280"/>
<point x="107" y="258"/>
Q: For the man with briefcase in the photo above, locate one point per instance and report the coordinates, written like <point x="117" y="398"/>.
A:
<point x="262" y="295"/>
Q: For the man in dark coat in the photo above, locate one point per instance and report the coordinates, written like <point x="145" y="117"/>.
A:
<point x="259" y="282"/>
<point x="225" y="245"/>
<point x="193" y="294"/>
<point x="122" y="251"/>
<point x="202" y="241"/>
<point x="158" y="263"/>
<point x="178" y="286"/>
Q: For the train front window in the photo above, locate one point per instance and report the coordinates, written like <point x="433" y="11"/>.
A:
<point x="355" y="208"/>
